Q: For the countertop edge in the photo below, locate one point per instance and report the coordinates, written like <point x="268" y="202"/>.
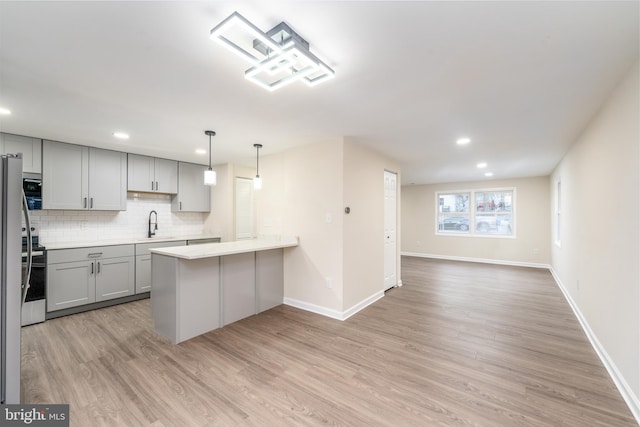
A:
<point x="212" y="250"/>
<point x="119" y="242"/>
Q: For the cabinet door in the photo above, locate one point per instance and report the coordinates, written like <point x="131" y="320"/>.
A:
<point x="107" y="180"/>
<point x="143" y="273"/>
<point x="166" y="176"/>
<point x="114" y="277"/>
<point x="64" y="176"/>
<point x="31" y="149"/>
<point x="70" y="284"/>
<point x="140" y="176"/>
<point x="193" y="195"/>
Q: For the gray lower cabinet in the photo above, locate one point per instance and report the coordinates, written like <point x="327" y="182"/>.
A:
<point x="194" y="296"/>
<point x="114" y="277"/>
<point x="203" y="241"/>
<point x="82" y="276"/>
<point x="143" y="263"/>
<point x="70" y="284"/>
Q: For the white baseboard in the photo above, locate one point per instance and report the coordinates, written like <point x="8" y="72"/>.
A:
<point x="329" y="312"/>
<point x="481" y="260"/>
<point x="629" y="397"/>
<point x="362" y="304"/>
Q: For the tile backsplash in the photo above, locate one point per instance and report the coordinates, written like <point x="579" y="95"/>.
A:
<point x="80" y="226"/>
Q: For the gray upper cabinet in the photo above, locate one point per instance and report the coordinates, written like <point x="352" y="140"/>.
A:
<point x="193" y="195"/>
<point x="152" y="175"/>
<point x="107" y="180"/>
<point x="78" y="177"/>
<point x="31" y="149"/>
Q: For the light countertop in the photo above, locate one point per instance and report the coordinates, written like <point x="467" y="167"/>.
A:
<point x="124" y="241"/>
<point x="210" y="250"/>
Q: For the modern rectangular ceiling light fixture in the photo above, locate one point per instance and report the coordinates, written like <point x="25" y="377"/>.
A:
<point x="278" y="57"/>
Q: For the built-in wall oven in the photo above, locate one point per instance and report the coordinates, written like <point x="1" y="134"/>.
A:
<point x="32" y="187"/>
<point x="35" y="303"/>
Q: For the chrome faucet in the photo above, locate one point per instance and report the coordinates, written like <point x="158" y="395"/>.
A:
<point x="155" y="224"/>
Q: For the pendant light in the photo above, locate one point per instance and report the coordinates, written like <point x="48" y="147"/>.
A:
<point x="257" y="181"/>
<point x="210" y="174"/>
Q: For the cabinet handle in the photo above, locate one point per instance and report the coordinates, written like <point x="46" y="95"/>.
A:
<point x="95" y="255"/>
<point x="85" y="203"/>
<point x="180" y="206"/>
<point x="98" y="267"/>
<point x="151" y="185"/>
<point x="92" y="269"/>
<point x="156" y="185"/>
<point x="91" y="205"/>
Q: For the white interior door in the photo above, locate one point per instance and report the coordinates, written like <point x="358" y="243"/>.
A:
<point x="390" y="213"/>
<point x="244" y="208"/>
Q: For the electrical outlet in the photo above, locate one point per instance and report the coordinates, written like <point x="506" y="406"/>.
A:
<point x="328" y="219"/>
<point x="329" y="282"/>
<point x="536" y="251"/>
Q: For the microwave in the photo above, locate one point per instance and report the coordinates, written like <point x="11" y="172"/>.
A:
<point x="32" y="187"/>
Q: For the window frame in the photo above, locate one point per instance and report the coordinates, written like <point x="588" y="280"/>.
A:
<point x="473" y="213"/>
<point x="558" y="214"/>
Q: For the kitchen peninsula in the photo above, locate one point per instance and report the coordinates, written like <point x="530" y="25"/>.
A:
<point x="197" y="289"/>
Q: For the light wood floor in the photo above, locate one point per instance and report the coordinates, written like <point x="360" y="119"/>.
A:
<point x="458" y="344"/>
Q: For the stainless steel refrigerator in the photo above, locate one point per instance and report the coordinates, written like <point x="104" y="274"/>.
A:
<point x="11" y="287"/>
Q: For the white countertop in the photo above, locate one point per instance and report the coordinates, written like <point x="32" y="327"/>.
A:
<point x="113" y="242"/>
<point x="210" y="250"/>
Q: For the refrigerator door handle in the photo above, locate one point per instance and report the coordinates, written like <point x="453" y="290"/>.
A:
<point x="26" y="278"/>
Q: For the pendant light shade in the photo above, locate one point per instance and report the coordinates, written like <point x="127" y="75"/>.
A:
<point x="210" y="174"/>
<point x="210" y="177"/>
<point x="257" y="181"/>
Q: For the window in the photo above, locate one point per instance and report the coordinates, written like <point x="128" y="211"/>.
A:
<point x="558" y="211"/>
<point x="453" y="213"/>
<point x="477" y="213"/>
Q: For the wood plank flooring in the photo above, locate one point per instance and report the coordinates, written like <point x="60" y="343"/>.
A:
<point x="459" y="344"/>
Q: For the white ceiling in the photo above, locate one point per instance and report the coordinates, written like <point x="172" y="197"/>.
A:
<point x="521" y="79"/>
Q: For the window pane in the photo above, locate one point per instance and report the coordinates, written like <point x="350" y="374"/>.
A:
<point x="494" y="212"/>
<point x="494" y="201"/>
<point x="453" y="213"/>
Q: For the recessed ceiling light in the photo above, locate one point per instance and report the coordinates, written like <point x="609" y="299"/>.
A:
<point x="4" y="111"/>
<point x="201" y="151"/>
<point x="481" y="165"/>
<point x="121" y="135"/>
<point x="463" y="141"/>
<point x="488" y="174"/>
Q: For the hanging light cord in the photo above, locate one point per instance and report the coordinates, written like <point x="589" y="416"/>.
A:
<point x="258" y="147"/>
<point x="257" y="160"/>
<point x="209" y="151"/>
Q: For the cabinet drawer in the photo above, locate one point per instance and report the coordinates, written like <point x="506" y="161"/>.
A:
<point x="80" y="254"/>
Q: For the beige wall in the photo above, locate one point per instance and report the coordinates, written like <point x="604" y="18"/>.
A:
<point x="221" y="219"/>
<point x="598" y="259"/>
<point x="303" y="189"/>
<point x="364" y="226"/>
<point x="300" y="188"/>
<point x="530" y="246"/>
